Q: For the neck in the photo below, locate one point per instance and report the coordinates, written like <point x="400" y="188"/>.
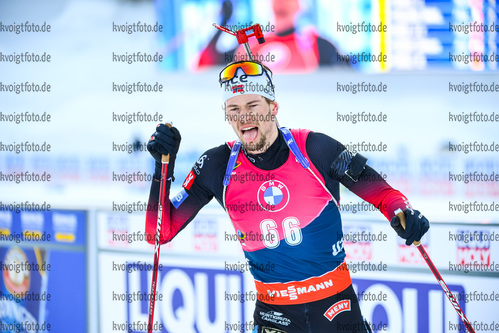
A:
<point x="284" y="24"/>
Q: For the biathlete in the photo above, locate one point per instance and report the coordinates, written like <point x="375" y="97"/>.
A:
<point x="292" y="179"/>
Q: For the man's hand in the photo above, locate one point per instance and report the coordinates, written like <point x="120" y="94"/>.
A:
<point x="411" y="225"/>
<point x="166" y="140"/>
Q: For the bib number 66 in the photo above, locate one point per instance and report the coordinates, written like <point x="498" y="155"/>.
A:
<point x="290" y="227"/>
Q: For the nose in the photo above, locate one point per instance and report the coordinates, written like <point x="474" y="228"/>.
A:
<point x="247" y="116"/>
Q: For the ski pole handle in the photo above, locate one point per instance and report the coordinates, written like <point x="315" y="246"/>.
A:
<point x="402" y="223"/>
<point x="166" y="158"/>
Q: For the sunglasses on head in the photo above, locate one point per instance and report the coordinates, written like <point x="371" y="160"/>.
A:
<point x="248" y="67"/>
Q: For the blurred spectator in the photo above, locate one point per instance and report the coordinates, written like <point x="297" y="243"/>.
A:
<point x="285" y="49"/>
<point x="210" y="55"/>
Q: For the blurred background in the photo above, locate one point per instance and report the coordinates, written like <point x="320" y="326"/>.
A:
<point x="310" y="46"/>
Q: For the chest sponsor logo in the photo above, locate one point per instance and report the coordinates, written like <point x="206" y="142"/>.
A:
<point x="273" y="196"/>
<point x="337" y="308"/>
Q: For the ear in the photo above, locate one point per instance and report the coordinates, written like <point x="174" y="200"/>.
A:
<point x="227" y="118"/>
<point x="274" y="108"/>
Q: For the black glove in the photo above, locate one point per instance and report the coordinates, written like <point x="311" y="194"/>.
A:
<point x="164" y="141"/>
<point x="416" y="225"/>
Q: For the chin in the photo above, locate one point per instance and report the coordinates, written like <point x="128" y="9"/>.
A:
<point x="255" y="146"/>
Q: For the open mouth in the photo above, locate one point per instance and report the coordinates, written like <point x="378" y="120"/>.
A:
<point x="249" y="133"/>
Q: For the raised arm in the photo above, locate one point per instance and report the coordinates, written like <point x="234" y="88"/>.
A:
<point x="199" y="187"/>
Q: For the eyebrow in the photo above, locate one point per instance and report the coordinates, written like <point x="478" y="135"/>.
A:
<point x="235" y="105"/>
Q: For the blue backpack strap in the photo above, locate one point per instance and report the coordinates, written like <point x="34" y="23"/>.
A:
<point x="293" y="146"/>
<point x="290" y="141"/>
<point x="232" y="162"/>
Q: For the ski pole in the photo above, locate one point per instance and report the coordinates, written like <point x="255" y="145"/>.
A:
<point x="165" y="159"/>
<point x="442" y="284"/>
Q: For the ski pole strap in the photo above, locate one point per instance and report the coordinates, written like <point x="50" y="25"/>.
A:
<point x="290" y="141"/>
<point x="232" y="162"/>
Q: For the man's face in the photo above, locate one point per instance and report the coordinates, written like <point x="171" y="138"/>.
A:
<point x="285" y="8"/>
<point x="253" y="120"/>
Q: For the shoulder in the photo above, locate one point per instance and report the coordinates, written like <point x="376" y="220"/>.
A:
<point x="323" y="147"/>
<point x="207" y="173"/>
<point x="315" y="141"/>
<point x="321" y="139"/>
<point x="326" y="45"/>
<point x="212" y="159"/>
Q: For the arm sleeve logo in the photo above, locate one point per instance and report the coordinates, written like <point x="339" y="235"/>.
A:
<point x="189" y="180"/>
